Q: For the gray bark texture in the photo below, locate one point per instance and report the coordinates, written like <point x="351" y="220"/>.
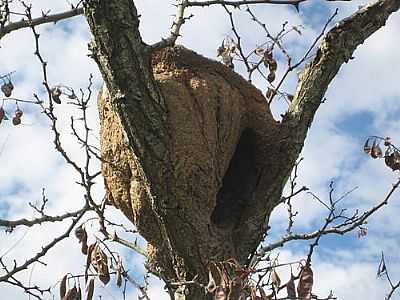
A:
<point x="192" y="155"/>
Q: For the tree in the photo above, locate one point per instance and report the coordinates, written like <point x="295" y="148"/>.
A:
<point x="209" y="171"/>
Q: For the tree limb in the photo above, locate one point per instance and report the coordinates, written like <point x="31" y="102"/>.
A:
<point x="248" y="2"/>
<point x="43" y="219"/>
<point x="176" y="26"/>
<point x="340" y="229"/>
<point x="42" y="253"/>
<point x="336" y="49"/>
<point x="24" y="23"/>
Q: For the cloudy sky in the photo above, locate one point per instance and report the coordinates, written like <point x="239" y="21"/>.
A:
<point x="363" y="100"/>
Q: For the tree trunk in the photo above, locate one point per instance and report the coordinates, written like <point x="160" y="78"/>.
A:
<point x="191" y="153"/>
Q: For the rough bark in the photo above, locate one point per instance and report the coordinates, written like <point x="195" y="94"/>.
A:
<point x="192" y="155"/>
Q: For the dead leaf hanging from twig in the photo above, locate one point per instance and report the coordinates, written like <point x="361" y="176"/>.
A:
<point x="291" y="288"/>
<point x="99" y="261"/>
<point x="63" y="286"/>
<point x="306" y="281"/>
<point x="90" y="289"/>
<point x="82" y="236"/>
<point x="227" y="51"/>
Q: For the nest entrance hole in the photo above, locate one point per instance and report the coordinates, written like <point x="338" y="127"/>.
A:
<point x="238" y="183"/>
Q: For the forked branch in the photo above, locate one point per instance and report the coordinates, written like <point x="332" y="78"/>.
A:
<point x="336" y="49"/>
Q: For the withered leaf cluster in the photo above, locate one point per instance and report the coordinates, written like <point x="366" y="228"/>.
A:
<point x="7" y="88"/>
<point x="96" y="258"/>
<point x="269" y="62"/>
<point x="306" y="280"/>
<point x="226" y="280"/>
<point x="392" y="153"/>
<point x="374" y="150"/>
<point x="362" y="232"/>
<point x="230" y="281"/>
<point x="16" y="120"/>
<point x="73" y="293"/>
<point x="57" y="91"/>
<point x="119" y="269"/>
<point x="227" y="51"/>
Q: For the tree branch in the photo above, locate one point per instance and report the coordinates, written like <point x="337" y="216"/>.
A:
<point x="124" y="61"/>
<point x="248" y="2"/>
<point x="340" y="229"/>
<point x="43" y="219"/>
<point x="24" y="23"/>
<point x="42" y="253"/>
<point x="335" y="50"/>
<point x="176" y="26"/>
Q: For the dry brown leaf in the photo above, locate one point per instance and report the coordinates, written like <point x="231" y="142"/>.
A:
<point x="90" y="289"/>
<point x="99" y="261"/>
<point x="263" y="294"/>
<point x="253" y="293"/>
<point x="220" y="294"/>
<point x="376" y="151"/>
<point x="7" y="88"/>
<point x="272" y="65"/>
<point x="16" y="121"/>
<point x="306" y="281"/>
<point x="362" y="232"/>
<point x="19" y="113"/>
<point x="2" y="114"/>
<point x="393" y="160"/>
<point x="72" y="294"/>
<point x="88" y="260"/>
<point x="267" y="57"/>
<point x="211" y="286"/>
<point x="63" y="286"/>
<point x="221" y="49"/>
<point x="79" y="294"/>
<point x="271" y="77"/>
<point x="270" y="94"/>
<point x="291" y="288"/>
<point x="82" y="236"/>
<point x="227" y="59"/>
<point x="276" y="280"/>
<point x="367" y="147"/>
<point x="235" y="288"/>
<point x="55" y="94"/>
<point x="259" y="51"/>
<point x="80" y="233"/>
<point x="223" y="277"/>
<point x="119" y="271"/>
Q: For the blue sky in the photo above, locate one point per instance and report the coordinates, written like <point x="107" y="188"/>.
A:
<point x="363" y="100"/>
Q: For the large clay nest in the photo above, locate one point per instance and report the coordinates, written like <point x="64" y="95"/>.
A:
<point x="221" y="130"/>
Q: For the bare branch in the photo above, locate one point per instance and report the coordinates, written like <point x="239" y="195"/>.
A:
<point x="336" y="49"/>
<point x="248" y="2"/>
<point x="176" y="26"/>
<point x="342" y="228"/>
<point x="43" y="219"/>
<point x="42" y="253"/>
<point x="53" y="18"/>
<point x="393" y="289"/>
